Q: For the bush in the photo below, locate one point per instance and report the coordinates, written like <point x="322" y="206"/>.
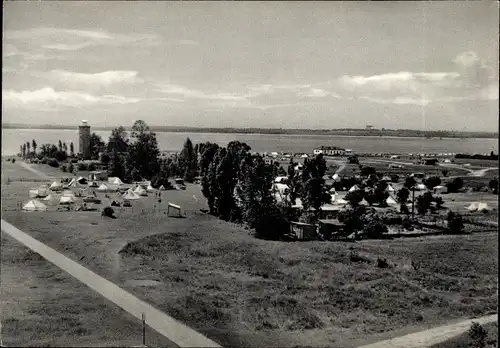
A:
<point x="13" y="160"/>
<point x="71" y="168"/>
<point x="92" y="166"/>
<point x="455" y="185"/>
<point x="74" y="160"/>
<point x="394" y="178"/>
<point x="374" y="227"/>
<point x="478" y="335"/>
<point x="82" y="166"/>
<point x="407" y="224"/>
<point x="108" y="212"/>
<point x="44" y="160"/>
<point x="455" y="223"/>
<point x="64" y="168"/>
<point x="53" y="163"/>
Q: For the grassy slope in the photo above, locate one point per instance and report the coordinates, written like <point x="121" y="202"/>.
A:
<point x="463" y="340"/>
<point x="43" y="306"/>
<point x="243" y="291"/>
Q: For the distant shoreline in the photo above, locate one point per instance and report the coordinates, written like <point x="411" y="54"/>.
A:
<point x="398" y="133"/>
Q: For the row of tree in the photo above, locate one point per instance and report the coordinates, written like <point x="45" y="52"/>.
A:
<point x="59" y="152"/>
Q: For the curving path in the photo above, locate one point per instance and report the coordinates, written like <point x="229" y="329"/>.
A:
<point x="165" y="325"/>
<point x="433" y="336"/>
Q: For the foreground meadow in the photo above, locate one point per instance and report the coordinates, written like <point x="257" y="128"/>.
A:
<point x="242" y="291"/>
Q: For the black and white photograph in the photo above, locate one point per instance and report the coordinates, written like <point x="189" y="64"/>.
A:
<point x="249" y="174"/>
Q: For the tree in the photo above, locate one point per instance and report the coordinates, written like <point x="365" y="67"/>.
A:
<point x="21" y="151"/>
<point x="354" y="197"/>
<point x="72" y="150"/>
<point x="424" y="203"/>
<point x="409" y="182"/>
<point x="455" y="223"/>
<point x="313" y="193"/>
<point x="403" y="195"/>
<point x="65" y="147"/>
<point x="143" y="155"/>
<point x="353" y="159"/>
<point x="394" y="178"/>
<point x="34" y="145"/>
<point x="188" y="161"/>
<point x="258" y="205"/>
<point x="439" y="202"/>
<point x="118" y="140"/>
<point x="97" y="145"/>
<point x="59" y="146"/>
<point x="477" y="335"/>
<point x="445" y="172"/>
<point x="116" y="166"/>
<point x="24" y="150"/>
<point x="139" y="127"/>
<point x="455" y="185"/>
<point x="493" y="185"/>
<point x="432" y="182"/>
<point x="281" y="171"/>
<point x="367" y="171"/>
<point x="28" y="145"/>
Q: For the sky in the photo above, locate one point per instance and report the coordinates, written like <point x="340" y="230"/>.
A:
<point x="411" y="65"/>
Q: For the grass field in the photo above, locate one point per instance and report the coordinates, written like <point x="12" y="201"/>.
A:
<point x="242" y="291"/>
<point x="43" y="306"/>
<point x="463" y="341"/>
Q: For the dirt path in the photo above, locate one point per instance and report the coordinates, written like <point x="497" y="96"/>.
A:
<point x="167" y="326"/>
<point x="37" y="172"/>
<point x="433" y="336"/>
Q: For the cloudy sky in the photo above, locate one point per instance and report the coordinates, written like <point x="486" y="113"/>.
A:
<point x="420" y="65"/>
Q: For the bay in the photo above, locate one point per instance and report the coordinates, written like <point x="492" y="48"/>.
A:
<point x="170" y="141"/>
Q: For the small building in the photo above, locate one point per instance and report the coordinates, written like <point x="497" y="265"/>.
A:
<point x="303" y="231"/>
<point x="329" y="151"/>
<point x="430" y="161"/>
<point x="98" y="175"/>
<point x="330" y="227"/>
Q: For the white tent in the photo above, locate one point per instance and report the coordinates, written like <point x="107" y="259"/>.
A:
<point x="81" y="180"/>
<point x="332" y="190"/>
<point x="150" y="189"/>
<point x="447" y="161"/>
<point x="354" y="188"/>
<point x="66" y="200"/>
<point x="140" y="191"/>
<point x="420" y="187"/>
<point x="279" y="179"/>
<point x="340" y="201"/>
<point x="483" y="207"/>
<point x="364" y="202"/>
<point x="115" y="181"/>
<point x="33" y="193"/>
<point x="304" y="156"/>
<point x="440" y="189"/>
<point x="67" y="193"/>
<point x="72" y="183"/>
<point x="93" y="184"/>
<point x="130" y="195"/>
<point x="390" y="188"/>
<point x="473" y="206"/>
<point x="48" y="198"/>
<point x="391" y="201"/>
<point x="55" y="186"/>
<point x="102" y="188"/>
<point x="34" y="205"/>
<point x="336" y="177"/>
<point x="162" y="188"/>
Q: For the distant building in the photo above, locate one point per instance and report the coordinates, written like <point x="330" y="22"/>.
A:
<point x="330" y="151"/>
<point x="84" y="143"/>
<point x="369" y="126"/>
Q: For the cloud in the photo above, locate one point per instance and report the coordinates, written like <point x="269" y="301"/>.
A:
<point x="105" y="78"/>
<point x="61" y="39"/>
<point x="49" y="98"/>
<point x="470" y="79"/>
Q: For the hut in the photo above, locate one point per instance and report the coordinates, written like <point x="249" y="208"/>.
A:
<point x="303" y="231"/>
<point x="330" y="227"/>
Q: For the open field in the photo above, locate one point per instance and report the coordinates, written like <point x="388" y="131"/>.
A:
<point x="43" y="306"/>
<point x="463" y="340"/>
<point x="242" y="291"/>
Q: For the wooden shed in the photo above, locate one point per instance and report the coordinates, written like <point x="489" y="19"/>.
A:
<point x="303" y="231"/>
<point x="330" y="227"/>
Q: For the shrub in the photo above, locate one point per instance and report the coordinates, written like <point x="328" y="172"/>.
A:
<point x="108" y="212"/>
<point x="394" y="178"/>
<point x="74" y="160"/>
<point x="44" y="160"/>
<point x="374" y="227"/>
<point x="407" y="224"/>
<point x="82" y="166"/>
<point x="455" y="223"/>
<point x="64" y="168"/>
<point x="455" y="185"/>
<point x="382" y="263"/>
<point x="71" y="168"/>
<point x="53" y="163"/>
<point x="92" y="166"/>
<point x="478" y="335"/>
<point x="13" y="160"/>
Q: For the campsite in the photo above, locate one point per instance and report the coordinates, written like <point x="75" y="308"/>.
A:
<point x="302" y="288"/>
